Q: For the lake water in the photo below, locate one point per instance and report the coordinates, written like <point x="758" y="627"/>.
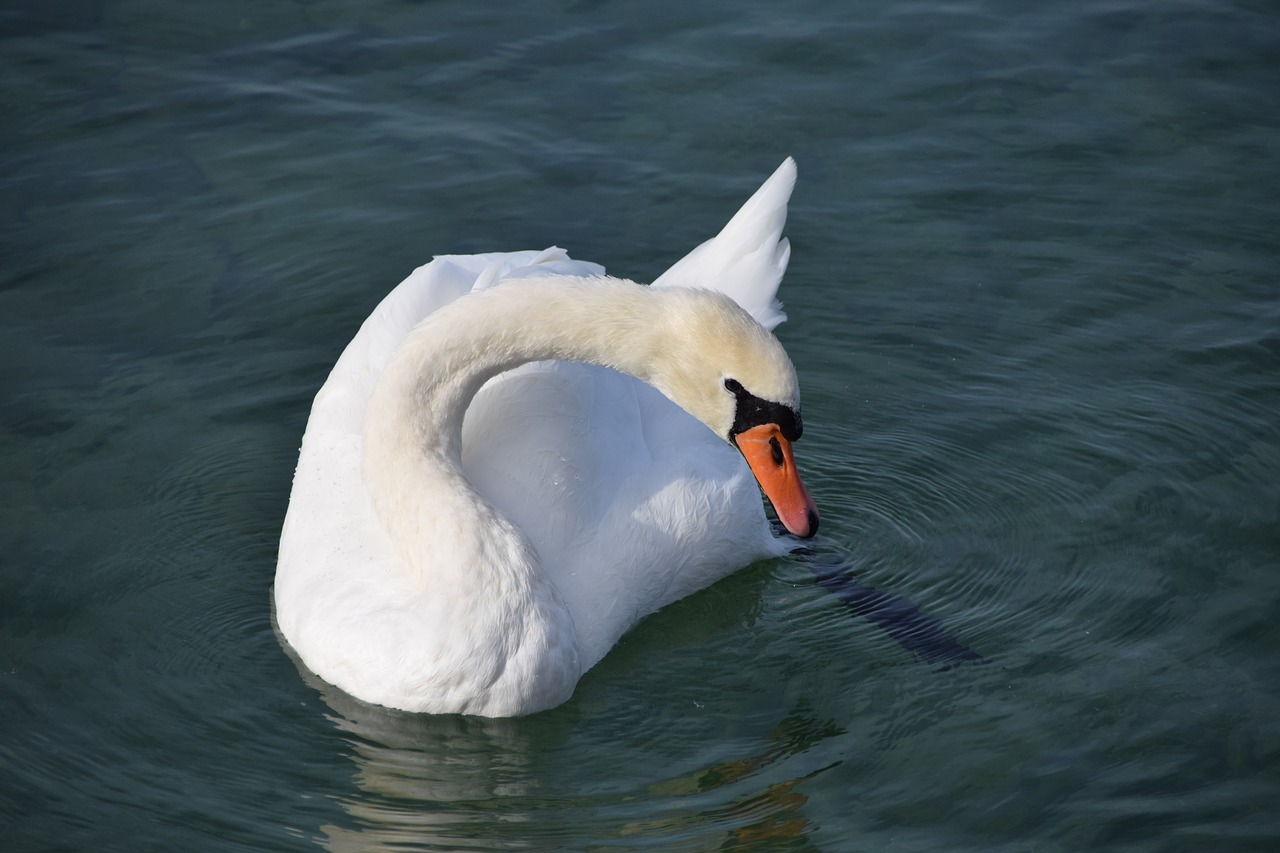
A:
<point x="1034" y="302"/>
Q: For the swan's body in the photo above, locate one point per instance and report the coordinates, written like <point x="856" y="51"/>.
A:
<point x="469" y="535"/>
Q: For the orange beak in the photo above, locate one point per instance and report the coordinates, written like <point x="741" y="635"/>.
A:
<point x="769" y="455"/>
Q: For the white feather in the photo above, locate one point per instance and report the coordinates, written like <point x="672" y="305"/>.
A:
<point x="601" y="499"/>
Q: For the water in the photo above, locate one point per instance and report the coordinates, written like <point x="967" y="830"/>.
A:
<point x="1034" y="307"/>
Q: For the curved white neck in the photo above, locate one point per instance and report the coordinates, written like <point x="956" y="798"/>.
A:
<point x="413" y="428"/>
<point x="444" y="534"/>
<point x="443" y="362"/>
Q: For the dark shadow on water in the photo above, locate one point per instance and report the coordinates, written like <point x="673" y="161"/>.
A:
<point x="901" y="618"/>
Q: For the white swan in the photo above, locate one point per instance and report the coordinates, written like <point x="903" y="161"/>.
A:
<point x="453" y="548"/>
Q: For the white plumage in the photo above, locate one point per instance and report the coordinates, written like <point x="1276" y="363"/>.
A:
<point x="486" y="578"/>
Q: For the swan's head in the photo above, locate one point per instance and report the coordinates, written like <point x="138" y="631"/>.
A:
<point x="720" y="365"/>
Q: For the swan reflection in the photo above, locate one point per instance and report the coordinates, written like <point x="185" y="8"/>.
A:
<point x="428" y="782"/>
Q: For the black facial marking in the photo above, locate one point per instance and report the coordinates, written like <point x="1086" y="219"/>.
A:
<point x="753" y="411"/>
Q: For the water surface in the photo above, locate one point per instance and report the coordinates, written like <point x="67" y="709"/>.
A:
<point x="1034" y="305"/>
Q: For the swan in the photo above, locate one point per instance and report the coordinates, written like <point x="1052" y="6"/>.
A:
<point x="510" y="465"/>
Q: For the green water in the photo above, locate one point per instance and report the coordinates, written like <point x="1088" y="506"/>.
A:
<point x="1035" y="307"/>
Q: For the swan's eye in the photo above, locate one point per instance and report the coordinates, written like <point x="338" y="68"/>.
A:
<point x="734" y="387"/>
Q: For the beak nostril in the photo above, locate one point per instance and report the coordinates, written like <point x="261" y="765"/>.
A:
<point x="768" y="453"/>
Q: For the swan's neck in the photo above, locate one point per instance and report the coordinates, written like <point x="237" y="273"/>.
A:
<point x="445" y="536"/>
<point x="413" y="427"/>
<point x="418" y="404"/>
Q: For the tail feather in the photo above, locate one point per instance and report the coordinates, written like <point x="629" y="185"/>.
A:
<point x="747" y="259"/>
